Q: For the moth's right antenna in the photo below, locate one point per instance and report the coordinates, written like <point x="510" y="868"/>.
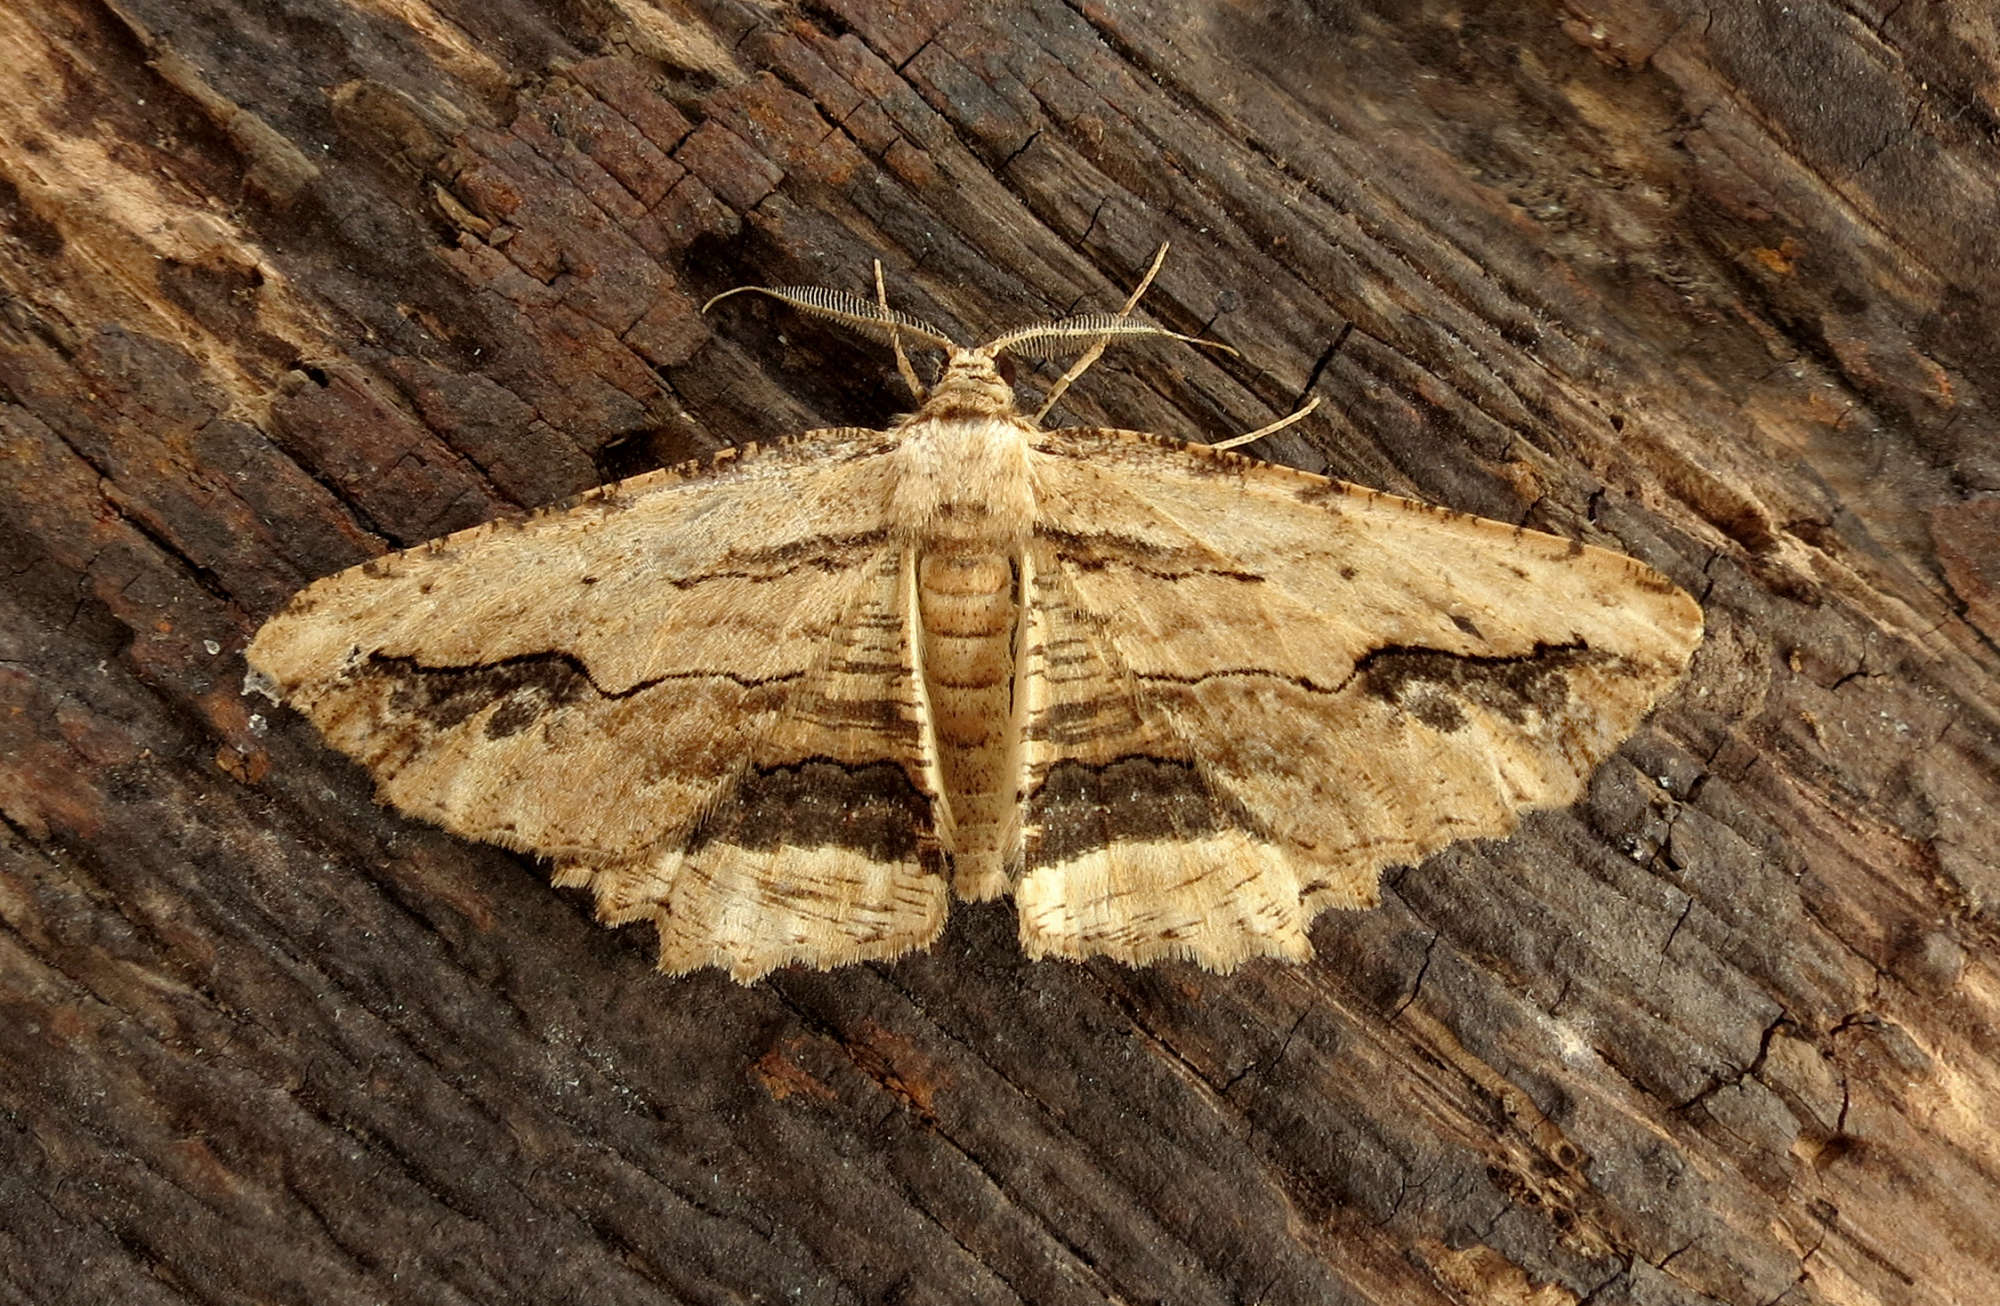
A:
<point x="1096" y="351"/>
<point x="863" y="315"/>
<point x="1092" y="331"/>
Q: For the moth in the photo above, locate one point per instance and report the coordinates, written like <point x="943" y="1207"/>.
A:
<point x="788" y="702"/>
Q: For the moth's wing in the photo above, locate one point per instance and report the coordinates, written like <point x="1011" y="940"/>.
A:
<point x="1131" y="846"/>
<point x="1355" y="679"/>
<point x="824" y="845"/>
<point x="601" y="683"/>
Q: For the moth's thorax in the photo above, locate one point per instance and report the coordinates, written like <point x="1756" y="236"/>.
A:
<point x="964" y="479"/>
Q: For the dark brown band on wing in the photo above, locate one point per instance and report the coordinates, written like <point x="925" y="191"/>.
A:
<point x="871" y="809"/>
<point x="1079" y="808"/>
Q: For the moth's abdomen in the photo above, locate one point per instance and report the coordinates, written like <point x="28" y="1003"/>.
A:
<point x="968" y="600"/>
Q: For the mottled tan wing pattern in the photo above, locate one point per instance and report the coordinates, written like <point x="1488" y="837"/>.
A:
<point x="1344" y="680"/>
<point x="825" y="846"/>
<point x="1131" y="848"/>
<point x="696" y="690"/>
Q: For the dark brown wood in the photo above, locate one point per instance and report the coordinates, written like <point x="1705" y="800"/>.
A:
<point x="290" y="284"/>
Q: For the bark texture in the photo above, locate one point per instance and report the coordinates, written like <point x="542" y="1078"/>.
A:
<point x="290" y="283"/>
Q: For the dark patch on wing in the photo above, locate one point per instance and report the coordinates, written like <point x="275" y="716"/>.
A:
<point x="825" y="553"/>
<point x="1321" y="491"/>
<point x="1080" y="808"/>
<point x="1436" y="711"/>
<point x="531" y="685"/>
<point x="1098" y="550"/>
<point x="810" y="549"/>
<point x="873" y="809"/>
<point x="1431" y="684"/>
<point x="525" y="688"/>
<point x="1070" y="724"/>
<point x="891" y="719"/>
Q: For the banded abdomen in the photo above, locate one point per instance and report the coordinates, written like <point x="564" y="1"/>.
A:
<point x="968" y="599"/>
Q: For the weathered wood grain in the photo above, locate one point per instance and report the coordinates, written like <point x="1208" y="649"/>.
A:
<point x="289" y="285"/>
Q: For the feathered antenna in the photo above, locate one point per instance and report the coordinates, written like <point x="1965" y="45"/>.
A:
<point x="876" y="320"/>
<point x="1046" y="339"/>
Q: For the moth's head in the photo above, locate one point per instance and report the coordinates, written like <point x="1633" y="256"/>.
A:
<point x="974" y="383"/>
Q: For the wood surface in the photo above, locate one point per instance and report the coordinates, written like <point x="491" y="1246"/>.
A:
<point x="292" y="284"/>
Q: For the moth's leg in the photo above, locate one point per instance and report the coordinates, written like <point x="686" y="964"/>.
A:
<point x="903" y="367"/>
<point x="1272" y="429"/>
